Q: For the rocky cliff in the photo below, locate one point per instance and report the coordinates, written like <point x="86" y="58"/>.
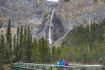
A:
<point x="37" y="14"/>
<point x="76" y="12"/>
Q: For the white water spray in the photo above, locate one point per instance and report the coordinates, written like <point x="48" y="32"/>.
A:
<point x="50" y="28"/>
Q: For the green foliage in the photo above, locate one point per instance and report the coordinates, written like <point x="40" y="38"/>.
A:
<point x="85" y="35"/>
<point x="85" y="44"/>
<point x="27" y="46"/>
<point x="8" y="41"/>
<point x="19" y="41"/>
<point x="55" y="53"/>
<point x="21" y="47"/>
<point x="2" y="49"/>
<point x="44" y="50"/>
<point x="35" y="52"/>
<point x="28" y="50"/>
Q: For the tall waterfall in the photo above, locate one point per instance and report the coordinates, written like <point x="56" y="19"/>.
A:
<point x="50" y="36"/>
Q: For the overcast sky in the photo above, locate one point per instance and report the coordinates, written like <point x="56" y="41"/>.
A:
<point x="53" y="0"/>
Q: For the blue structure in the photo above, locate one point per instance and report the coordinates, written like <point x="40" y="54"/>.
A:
<point x="61" y="63"/>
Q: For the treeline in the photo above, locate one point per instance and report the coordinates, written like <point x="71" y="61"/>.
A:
<point x="22" y="47"/>
<point x="85" y="44"/>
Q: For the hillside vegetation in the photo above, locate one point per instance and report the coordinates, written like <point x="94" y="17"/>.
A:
<point x="85" y="43"/>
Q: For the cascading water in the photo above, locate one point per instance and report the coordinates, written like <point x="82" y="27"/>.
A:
<point x="50" y="36"/>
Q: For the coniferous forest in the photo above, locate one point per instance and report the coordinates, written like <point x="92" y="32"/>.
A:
<point x="23" y="48"/>
<point x="52" y="34"/>
<point x="83" y="44"/>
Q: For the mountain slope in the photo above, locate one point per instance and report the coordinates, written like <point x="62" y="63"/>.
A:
<point x="74" y="13"/>
<point x="37" y="14"/>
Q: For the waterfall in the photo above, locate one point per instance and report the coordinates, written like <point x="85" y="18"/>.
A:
<point x="50" y="37"/>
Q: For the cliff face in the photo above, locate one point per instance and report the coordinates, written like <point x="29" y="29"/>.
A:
<point x="74" y="12"/>
<point x="37" y="14"/>
<point x="22" y="10"/>
<point x="33" y="13"/>
<point x="79" y="12"/>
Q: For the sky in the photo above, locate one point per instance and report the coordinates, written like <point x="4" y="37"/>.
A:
<point x="53" y="0"/>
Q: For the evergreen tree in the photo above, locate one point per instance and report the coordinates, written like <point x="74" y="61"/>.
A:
<point x="2" y="49"/>
<point x="20" y="47"/>
<point x="17" y="48"/>
<point x="35" y="52"/>
<point x="44" y="50"/>
<point x="54" y="53"/>
<point x="9" y="41"/>
<point x="27" y="44"/>
<point x="47" y="52"/>
<point x="14" y="48"/>
<point x="58" y="53"/>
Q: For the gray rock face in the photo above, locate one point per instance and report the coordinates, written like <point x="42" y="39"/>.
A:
<point x="77" y="12"/>
<point x="36" y="13"/>
<point x="22" y="10"/>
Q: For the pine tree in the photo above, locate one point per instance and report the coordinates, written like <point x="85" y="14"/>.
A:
<point x="44" y="50"/>
<point x="27" y="44"/>
<point x="35" y="52"/>
<point x="14" y="48"/>
<point x="47" y="52"/>
<point x="58" y="53"/>
<point x="40" y="49"/>
<point x="54" y="54"/>
<point x="18" y="45"/>
<point x="2" y="49"/>
<point x="9" y="41"/>
<point x="20" y="49"/>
